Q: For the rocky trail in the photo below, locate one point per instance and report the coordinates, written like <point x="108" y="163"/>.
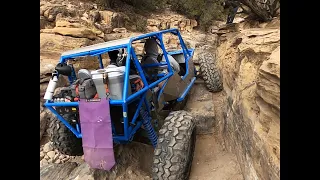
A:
<point x="238" y="134"/>
<point x="211" y="160"/>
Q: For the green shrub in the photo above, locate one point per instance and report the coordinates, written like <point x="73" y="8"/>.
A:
<point x="204" y="11"/>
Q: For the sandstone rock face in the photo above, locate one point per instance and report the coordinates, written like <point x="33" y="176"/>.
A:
<point x="250" y="64"/>
<point x="169" y="20"/>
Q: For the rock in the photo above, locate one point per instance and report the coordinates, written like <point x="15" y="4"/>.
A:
<point x="65" y="23"/>
<point x="152" y="22"/>
<point x="107" y="16"/>
<point x="193" y="23"/>
<point x="46" y="157"/>
<point x="43" y="162"/>
<point x="268" y="85"/>
<point x="163" y="25"/>
<point x="152" y="28"/>
<point x="62" y="156"/>
<point x="189" y="29"/>
<point x="43" y="122"/>
<point x="250" y="117"/>
<point x="105" y="28"/>
<point x="114" y="36"/>
<point x="44" y="23"/>
<point x="94" y="16"/>
<point x="48" y="31"/>
<point x="204" y="117"/>
<point x="174" y="24"/>
<point x="42" y="155"/>
<point x="51" y="154"/>
<point x="182" y="24"/>
<point x="47" y="147"/>
<point x="58" y="161"/>
<point x="76" y="32"/>
<point x="56" y="171"/>
<point x="120" y="30"/>
<point x="50" y="160"/>
<point x="64" y="160"/>
<point x="128" y="155"/>
<point x="260" y="40"/>
<point x="51" y="12"/>
<point x="56" y="156"/>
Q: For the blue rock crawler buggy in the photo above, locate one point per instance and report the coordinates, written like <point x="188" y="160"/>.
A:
<point x="137" y="112"/>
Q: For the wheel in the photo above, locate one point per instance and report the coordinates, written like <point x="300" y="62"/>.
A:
<point x="174" y="152"/>
<point x="209" y="71"/>
<point x="63" y="139"/>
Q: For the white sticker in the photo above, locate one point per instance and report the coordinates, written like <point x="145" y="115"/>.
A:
<point x="124" y="114"/>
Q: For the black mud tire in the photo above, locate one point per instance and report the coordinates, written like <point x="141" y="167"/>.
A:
<point x="175" y="149"/>
<point x="209" y="72"/>
<point x="63" y="139"/>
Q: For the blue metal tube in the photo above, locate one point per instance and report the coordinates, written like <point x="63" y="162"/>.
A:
<point x="138" y="109"/>
<point x="125" y="120"/>
<point x="154" y="65"/>
<point x="126" y="76"/>
<point x="68" y="104"/>
<point x="120" y="138"/>
<point x="134" y="130"/>
<point x="162" y="88"/>
<point x="138" y="66"/>
<point x="100" y="61"/>
<point x="164" y="52"/>
<point x="72" y="129"/>
<point x="143" y="90"/>
<point x="63" y="104"/>
<point x="181" y="98"/>
<point x="78" y="128"/>
<point x="147" y="105"/>
<point x="94" y="52"/>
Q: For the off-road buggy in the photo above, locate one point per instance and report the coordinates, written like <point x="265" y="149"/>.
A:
<point x="135" y="97"/>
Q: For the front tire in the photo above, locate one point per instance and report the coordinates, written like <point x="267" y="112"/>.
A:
<point x="176" y="143"/>
<point x="63" y="139"/>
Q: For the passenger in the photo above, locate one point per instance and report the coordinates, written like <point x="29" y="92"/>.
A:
<point x="151" y="57"/>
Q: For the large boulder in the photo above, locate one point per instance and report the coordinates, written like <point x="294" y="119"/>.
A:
<point x="250" y="64"/>
<point x="81" y="32"/>
<point x="56" y="44"/>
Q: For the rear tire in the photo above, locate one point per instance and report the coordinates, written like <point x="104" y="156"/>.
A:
<point x="176" y="143"/>
<point x="63" y="139"/>
<point x="209" y="72"/>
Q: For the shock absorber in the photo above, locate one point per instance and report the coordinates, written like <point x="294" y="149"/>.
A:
<point x="146" y="121"/>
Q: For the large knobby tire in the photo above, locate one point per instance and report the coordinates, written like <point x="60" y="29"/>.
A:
<point x="209" y="72"/>
<point x="63" y="139"/>
<point x="176" y="143"/>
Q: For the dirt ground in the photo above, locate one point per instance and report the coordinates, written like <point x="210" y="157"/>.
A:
<point x="211" y="162"/>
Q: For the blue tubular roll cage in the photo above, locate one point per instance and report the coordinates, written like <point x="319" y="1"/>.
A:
<point x="135" y="124"/>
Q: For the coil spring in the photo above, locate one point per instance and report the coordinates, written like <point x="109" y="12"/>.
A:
<point x="148" y="127"/>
